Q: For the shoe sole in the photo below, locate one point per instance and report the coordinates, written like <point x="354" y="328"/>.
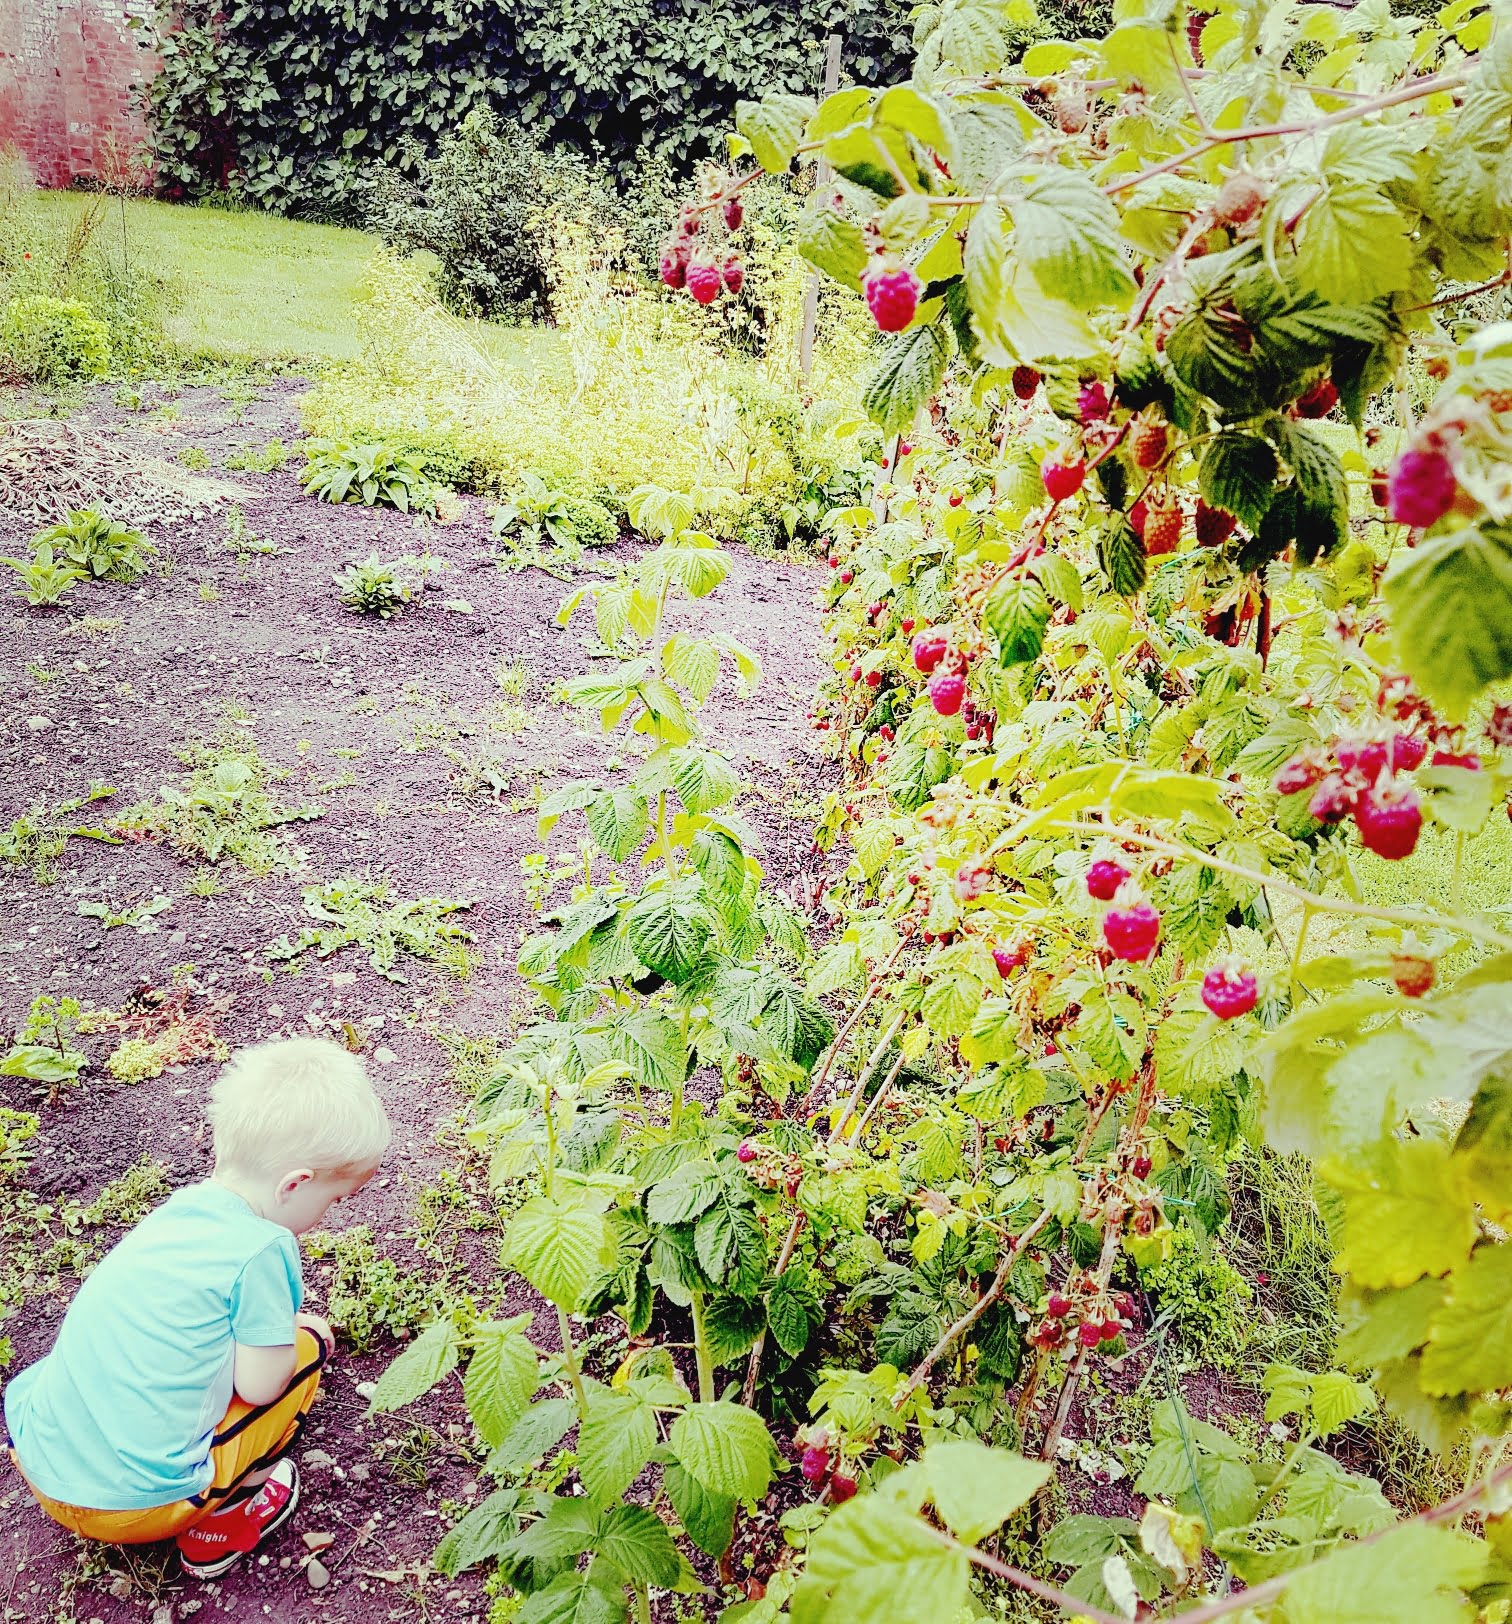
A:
<point x="213" y="1570"/>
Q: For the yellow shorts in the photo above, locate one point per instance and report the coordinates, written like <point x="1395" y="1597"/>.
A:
<point x="249" y="1438"/>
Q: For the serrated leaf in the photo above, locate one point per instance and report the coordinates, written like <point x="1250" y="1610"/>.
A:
<point x="874" y="1563"/>
<point x="502" y="1374"/>
<point x="832" y="243"/>
<point x="1066" y="230"/>
<point x="684" y="1194"/>
<point x="692" y="662"/>
<point x="427" y="1360"/>
<point x="618" y="820"/>
<point x="615" y="1442"/>
<point x="1352" y="244"/>
<point x="774" y="126"/>
<point x="1405" y="1216"/>
<point x="533" y="1437"/>
<point x="726" y="1447"/>
<point x="482" y="1533"/>
<point x="731" y="1246"/>
<point x="1238" y="472"/>
<point x="668" y="926"/>
<point x="560" y="1244"/>
<point x="1017" y="613"/>
<point x="1450" y="601"/>
<point x="703" y="779"/>
<point x="708" y="1518"/>
<point x="1416" y="1574"/>
<point x="1470" y="1339"/>
<point x="640" y="1545"/>
<point x="976" y="1488"/>
<point x="787" y="1317"/>
<point x="1122" y="556"/>
<point x="576" y="1598"/>
<point x="907" y="373"/>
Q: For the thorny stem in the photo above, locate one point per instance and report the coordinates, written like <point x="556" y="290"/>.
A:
<point x="570" y="1359"/>
<point x="706" y="1389"/>
<point x="1104" y="1273"/>
<point x="784" y="1257"/>
<point x="864" y="1075"/>
<point x="642" y="1604"/>
<point x="873" y="987"/>
<point x="858" y="1132"/>
<point x="972" y="1315"/>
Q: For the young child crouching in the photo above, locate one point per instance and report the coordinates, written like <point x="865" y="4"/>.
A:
<point x="183" y="1370"/>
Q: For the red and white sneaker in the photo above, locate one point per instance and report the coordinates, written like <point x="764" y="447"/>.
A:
<point x="210" y="1547"/>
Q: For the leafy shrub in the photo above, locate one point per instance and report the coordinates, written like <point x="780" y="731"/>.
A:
<point x="1202" y="1296"/>
<point x="98" y="546"/>
<point x="49" y="341"/>
<point x="371" y="474"/>
<point x="533" y="514"/>
<point x="368" y="1297"/>
<point x="44" y="579"/>
<point x="371" y="588"/>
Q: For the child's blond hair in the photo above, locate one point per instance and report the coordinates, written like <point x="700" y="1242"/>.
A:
<point x="296" y="1102"/>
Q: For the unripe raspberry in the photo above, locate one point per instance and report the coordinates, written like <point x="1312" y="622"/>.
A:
<point x="1214" y="525"/>
<point x="1229" y="993"/>
<point x="1319" y="400"/>
<point x="946" y="691"/>
<point x="1092" y="401"/>
<point x="734" y="274"/>
<point x="928" y="650"/>
<point x="746" y="1151"/>
<point x="1412" y="973"/>
<point x="1104" y="878"/>
<point x="1239" y="200"/>
<point x="1025" y="382"/>
<point x="1058" y="1305"/>
<point x="1133" y="932"/>
<point x="1148" y="444"/>
<point x="1162" y="531"/>
<point x="1421" y="488"/>
<point x="1062" y="479"/>
<point x="704" y="281"/>
<point x="892" y="296"/>
<point x="842" y="1488"/>
<point x="1389" y="818"/>
<point x="972" y="881"/>
<point x="734" y="213"/>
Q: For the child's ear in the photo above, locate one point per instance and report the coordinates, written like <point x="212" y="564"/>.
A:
<point x="290" y="1182"/>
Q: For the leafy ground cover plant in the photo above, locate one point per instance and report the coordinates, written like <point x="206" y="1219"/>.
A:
<point x="353" y="913"/>
<point x="534" y="514"/>
<point x="39" y="835"/>
<point x="43" y="1049"/>
<point x="1127" y="730"/>
<point x="369" y="474"/>
<point x="45" y="579"/>
<point x="96" y="546"/>
<point x="371" y="588"/>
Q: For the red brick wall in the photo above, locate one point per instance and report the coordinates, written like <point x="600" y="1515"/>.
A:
<point x="69" y="70"/>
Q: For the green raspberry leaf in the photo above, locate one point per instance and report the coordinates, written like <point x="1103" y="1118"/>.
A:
<point x="774" y="126"/>
<point x="908" y="372"/>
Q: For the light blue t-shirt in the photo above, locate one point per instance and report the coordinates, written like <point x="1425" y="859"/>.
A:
<point x="120" y="1415"/>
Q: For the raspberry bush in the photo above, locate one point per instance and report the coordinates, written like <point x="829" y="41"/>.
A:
<point x="1126" y="811"/>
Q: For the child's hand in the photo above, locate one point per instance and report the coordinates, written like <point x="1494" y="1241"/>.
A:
<point x="321" y="1328"/>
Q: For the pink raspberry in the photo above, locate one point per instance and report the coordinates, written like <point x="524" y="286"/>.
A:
<point x="1057" y="1306"/>
<point x="815" y="1464"/>
<point x="1406" y="752"/>
<point x="1389" y="818"/>
<point x="1104" y="878"/>
<point x="1009" y="959"/>
<point x="734" y="274"/>
<point x="928" y="650"/>
<point x="1450" y="758"/>
<point x="746" y="1151"/>
<point x="704" y="281"/>
<point x="947" y="690"/>
<point x="1332" y="800"/>
<point x="1089" y="1333"/>
<point x="1229" y="993"/>
<point x="1421" y="488"/>
<point x="673" y="265"/>
<point x="1062" y="479"/>
<point x="892" y="297"/>
<point x="1132" y="932"/>
<point x="1300" y="773"/>
<point x="842" y="1488"/>
<point x="734" y="213"/>
<point x="1092" y="401"/>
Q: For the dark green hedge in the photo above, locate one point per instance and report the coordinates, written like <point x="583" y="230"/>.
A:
<point x="289" y="101"/>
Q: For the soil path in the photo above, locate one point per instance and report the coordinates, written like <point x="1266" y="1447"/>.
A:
<point x="380" y="724"/>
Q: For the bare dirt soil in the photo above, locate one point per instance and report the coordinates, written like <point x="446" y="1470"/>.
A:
<point x="381" y="725"/>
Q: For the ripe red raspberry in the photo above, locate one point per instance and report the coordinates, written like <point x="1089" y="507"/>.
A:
<point x="892" y="297"/>
<point x="1092" y="401"/>
<point x="1089" y="1333"/>
<point x="1214" y="525"/>
<point x="1406" y="752"/>
<point x="1239" y="200"/>
<point x="1141" y="1167"/>
<point x="1300" y="773"/>
<point x="873" y="679"/>
<point x="1332" y="800"/>
<point x="907" y="624"/>
<point x="1229" y="993"/>
<point x="1111" y="1330"/>
<point x="946" y="691"/>
<point x="1162" y="531"/>
<point x="734" y="274"/>
<point x="815" y="1464"/>
<point x="1450" y="758"/>
<point x="1364" y="757"/>
<point x="734" y="213"/>
<point x="1139" y="517"/>
<point x="928" y="650"/>
<point x="1025" y="382"/>
<point x="1421" y="488"/>
<point x="1412" y="973"/>
<point x="1319" y="400"/>
<point x="1058" y="1306"/>
<point x="1009" y="959"/>
<point x="1132" y="932"/>
<point x="673" y="264"/>
<point x="1148" y="444"/>
<point x="1104" y="878"/>
<point x="1062" y="478"/>
<point x="746" y="1151"/>
<point x="704" y="281"/>
<point x="842" y="1488"/>
<point x="1389" y="818"/>
<point x="955" y="499"/>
